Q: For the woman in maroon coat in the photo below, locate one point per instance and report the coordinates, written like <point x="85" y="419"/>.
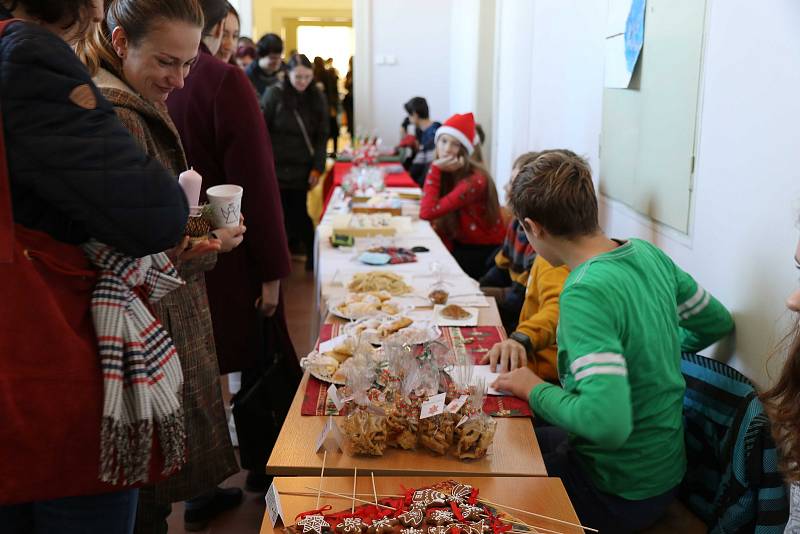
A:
<point x="226" y="141"/>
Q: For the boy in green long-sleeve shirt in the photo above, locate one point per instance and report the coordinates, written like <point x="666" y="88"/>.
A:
<point x="626" y="313"/>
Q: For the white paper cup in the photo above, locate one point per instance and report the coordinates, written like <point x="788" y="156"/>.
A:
<point x="226" y="205"/>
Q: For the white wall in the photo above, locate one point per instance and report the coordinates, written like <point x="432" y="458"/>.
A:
<point x="747" y="184"/>
<point x="420" y="47"/>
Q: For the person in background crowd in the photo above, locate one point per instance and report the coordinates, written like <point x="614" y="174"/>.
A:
<point x="780" y="402"/>
<point x="626" y="313"/>
<point x="459" y="196"/>
<point x="326" y="81"/>
<point x="230" y="36"/>
<point x="134" y="205"/>
<point x="245" y="41"/>
<point x="507" y="279"/>
<point x="245" y="55"/>
<point x="225" y="138"/>
<point x="296" y="114"/>
<point x="347" y="101"/>
<point x="420" y="136"/>
<point x="332" y="94"/>
<point x="125" y="55"/>
<point x="269" y="69"/>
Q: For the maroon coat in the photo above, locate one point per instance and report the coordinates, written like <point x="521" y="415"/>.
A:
<point x="226" y="141"/>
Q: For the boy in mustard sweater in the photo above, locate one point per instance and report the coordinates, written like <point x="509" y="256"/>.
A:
<point x="534" y="340"/>
<point x="626" y="313"/>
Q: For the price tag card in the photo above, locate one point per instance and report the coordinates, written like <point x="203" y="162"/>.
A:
<point x="433" y="406"/>
<point x="330" y="438"/>
<point x="456" y="404"/>
<point x="274" y="509"/>
<point x="333" y="395"/>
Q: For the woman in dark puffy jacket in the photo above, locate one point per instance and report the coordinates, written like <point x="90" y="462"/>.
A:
<point x="296" y="113"/>
<point x="74" y="174"/>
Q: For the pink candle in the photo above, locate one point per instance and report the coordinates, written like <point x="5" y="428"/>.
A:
<point x="192" y="183"/>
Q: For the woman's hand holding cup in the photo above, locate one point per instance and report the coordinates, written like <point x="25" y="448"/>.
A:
<point x="230" y="237"/>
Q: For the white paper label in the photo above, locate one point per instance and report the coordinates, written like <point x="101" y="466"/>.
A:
<point x="274" y="509"/>
<point x="330" y="438"/>
<point x="463" y="420"/>
<point x="433" y="406"/>
<point x="456" y="404"/>
<point x="333" y="395"/>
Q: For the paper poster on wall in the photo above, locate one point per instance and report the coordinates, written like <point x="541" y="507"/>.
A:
<point x="624" y="38"/>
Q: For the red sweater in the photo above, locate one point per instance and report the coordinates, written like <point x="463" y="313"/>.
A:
<point x="468" y="198"/>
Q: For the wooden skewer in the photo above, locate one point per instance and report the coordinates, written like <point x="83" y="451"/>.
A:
<point x="374" y="493"/>
<point x="321" y="475"/>
<point x="355" y="478"/>
<point x="348" y="497"/>
<point x="538" y="515"/>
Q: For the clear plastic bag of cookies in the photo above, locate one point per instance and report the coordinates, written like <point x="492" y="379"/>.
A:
<point x="364" y="425"/>
<point x="474" y="430"/>
<point x="403" y="417"/>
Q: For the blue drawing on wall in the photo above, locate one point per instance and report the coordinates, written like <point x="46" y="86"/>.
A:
<point x="634" y="33"/>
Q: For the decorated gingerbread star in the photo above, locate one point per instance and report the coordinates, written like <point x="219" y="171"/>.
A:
<point x="313" y="523"/>
<point x="411" y="530"/>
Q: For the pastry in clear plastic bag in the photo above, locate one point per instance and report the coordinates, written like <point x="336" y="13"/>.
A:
<point x="475" y="431"/>
<point x="436" y="433"/>
<point x="365" y="424"/>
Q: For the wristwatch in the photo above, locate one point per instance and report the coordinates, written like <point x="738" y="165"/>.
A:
<point x="523" y="340"/>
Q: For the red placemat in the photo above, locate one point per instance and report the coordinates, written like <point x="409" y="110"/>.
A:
<point x="475" y="341"/>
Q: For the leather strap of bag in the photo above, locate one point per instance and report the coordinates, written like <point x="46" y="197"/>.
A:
<point x="6" y="217"/>
<point x="302" y="126"/>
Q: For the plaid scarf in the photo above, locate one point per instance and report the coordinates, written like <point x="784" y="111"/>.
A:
<point x="142" y="375"/>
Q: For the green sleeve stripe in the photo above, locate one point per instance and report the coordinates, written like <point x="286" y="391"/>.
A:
<point x="601" y="370"/>
<point x="694" y="299"/>
<point x="598" y="357"/>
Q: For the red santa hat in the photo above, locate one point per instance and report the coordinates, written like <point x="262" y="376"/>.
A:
<point x="462" y="127"/>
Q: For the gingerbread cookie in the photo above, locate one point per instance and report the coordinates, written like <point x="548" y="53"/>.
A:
<point x="314" y="523"/>
<point x="351" y="525"/>
<point x="481" y="527"/>
<point x="441" y="517"/>
<point x="429" y="497"/>
<point x="439" y="530"/>
<point x="385" y="525"/>
<point x="470" y="512"/>
<point x="411" y="530"/>
<point x="460" y="493"/>
<point x="412" y="518"/>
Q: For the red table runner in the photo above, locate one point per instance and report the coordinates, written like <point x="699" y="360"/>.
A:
<point x="475" y="341"/>
<point x="341" y="168"/>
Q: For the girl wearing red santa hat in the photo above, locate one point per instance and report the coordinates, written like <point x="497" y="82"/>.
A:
<point x="460" y="197"/>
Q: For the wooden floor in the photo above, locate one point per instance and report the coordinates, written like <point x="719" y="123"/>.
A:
<point x="246" y="519"/>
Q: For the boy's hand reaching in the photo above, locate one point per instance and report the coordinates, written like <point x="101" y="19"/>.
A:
<point x="506" y="356"/>
<point x="519" y="382"/>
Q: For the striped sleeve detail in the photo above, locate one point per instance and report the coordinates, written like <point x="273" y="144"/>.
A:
<point x="602" y="363"/>
<point x="696" y="304"/>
